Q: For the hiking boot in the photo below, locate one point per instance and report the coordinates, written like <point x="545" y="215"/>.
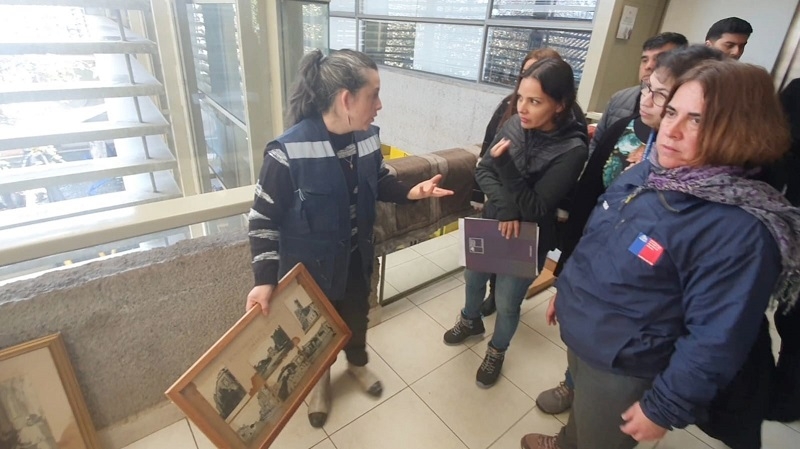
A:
<point x="555" y="400"/>
<point x="463" y="329"/>
<point x="488" y="306"/>
<point x="538" y="441"/>
<point x="490" y="368"/>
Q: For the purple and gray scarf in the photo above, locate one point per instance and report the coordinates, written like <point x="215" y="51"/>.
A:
<point x="729" y="185"/>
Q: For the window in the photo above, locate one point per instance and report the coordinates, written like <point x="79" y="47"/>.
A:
<point x="86" y="139"/>
<point x="81" y="122"/>
<point x="506" y="47"/>
<point x="483" y="40"/>
<point x="442" y="9"/>
<point x="545" y="9"/>
<point x="342" y="33"/>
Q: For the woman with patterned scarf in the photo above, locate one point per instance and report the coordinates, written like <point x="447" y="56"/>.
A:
<point x="665" y="294"/>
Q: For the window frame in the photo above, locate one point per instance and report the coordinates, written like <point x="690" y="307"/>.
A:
<point x="487" y="22"/>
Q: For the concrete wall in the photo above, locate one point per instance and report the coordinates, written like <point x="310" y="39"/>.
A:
<point x="424" y="113"/>
<point x="770" y="21"/>
<point x="133" y="324"/>
<point x="613" y="64"/>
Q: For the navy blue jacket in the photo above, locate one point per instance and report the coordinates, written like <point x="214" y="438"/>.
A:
<point x="315" y="227"/>
<point x="689" y="320"/>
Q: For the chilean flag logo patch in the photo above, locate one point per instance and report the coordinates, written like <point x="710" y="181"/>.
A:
<point x="646" y="249"/>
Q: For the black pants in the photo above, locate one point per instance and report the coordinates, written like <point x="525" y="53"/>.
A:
<point x="785" y="397"/>
<point x="737" y="412"/>
<point x="354" y="308"/>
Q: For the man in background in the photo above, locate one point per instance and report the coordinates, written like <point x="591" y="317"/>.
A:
<point x="729" y="36"/>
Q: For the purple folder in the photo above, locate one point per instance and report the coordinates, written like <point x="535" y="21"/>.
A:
<point x="486" y="250"/>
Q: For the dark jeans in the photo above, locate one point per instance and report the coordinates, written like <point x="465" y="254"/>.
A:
<point x="354" y="308"/>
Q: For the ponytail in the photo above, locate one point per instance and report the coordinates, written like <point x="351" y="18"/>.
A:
<point x="303" y="97"/>
<point x="321" y="78"/>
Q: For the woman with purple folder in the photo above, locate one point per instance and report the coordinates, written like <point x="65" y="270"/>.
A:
<point x="533" y="163"/>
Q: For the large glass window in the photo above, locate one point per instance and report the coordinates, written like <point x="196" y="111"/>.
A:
<point x="342" y="33"/>
<point x="446" y="9"/>
<point x="483" y="41"/>
<point x="506" y="47"/>
<point x="82" y="122"/>
<point x="545" y="9"/>
<point x="215" y="45"/>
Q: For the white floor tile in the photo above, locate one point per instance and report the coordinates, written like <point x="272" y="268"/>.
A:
<point x="775" y="435"/>
<point x="536" y="320"/>
<point x="396" y="308"/>
<point x="794" y="426"/>
<point x="402" y="422"/>
<point x="200" y="438"/>
<point x="533" y="422"/>
<point x="411" y="344"/>
<point x="459" y="275"/>
<point x="537" y="300"/>
<point x="426" y="294"/>
<point x="435" y="244"/>
<point x="408" y="275"/>
<point x="532" y="362"/>
<point x="349" y="400"/>
<point x="700" y="435"/>
<point x="298" y="433"/>
<point x="446" y="308"/>
<point x="679" y="439"/>
<point x="388" y="291"/>
<point x="446" y="258"/>
<point x="176" y="436"/>
<point x="401" y="256"/>
<point x="324" y="444"/>
<point x="478" y="416"/>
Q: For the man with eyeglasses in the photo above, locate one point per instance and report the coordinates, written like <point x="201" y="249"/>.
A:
<point x="628" y="142"/>
<point x="626" y="102"/>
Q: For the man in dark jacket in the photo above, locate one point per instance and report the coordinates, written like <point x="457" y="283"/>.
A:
<point x="625" y="102"/>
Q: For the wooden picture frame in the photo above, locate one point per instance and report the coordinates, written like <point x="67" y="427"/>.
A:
<point x="244" y="389"/>
<point x="41" y="404"/>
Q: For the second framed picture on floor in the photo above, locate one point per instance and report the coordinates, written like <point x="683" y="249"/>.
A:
<point x="41" y="405"/>
<point x="245" y="388"/>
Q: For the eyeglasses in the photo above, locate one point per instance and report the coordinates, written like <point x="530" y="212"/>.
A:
<point x="659" y="98"/>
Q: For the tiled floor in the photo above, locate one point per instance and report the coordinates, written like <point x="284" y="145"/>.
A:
<point x="430" y="399"/>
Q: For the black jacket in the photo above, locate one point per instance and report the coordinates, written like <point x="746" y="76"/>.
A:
<point x="537" y="172"/>
<point x="588" y="189"/>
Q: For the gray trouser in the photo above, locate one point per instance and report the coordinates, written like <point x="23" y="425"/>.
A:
<point x="600" y="400"/>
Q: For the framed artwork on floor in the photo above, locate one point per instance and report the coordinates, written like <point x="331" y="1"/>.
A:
<point x="244" y="389"/>
<point x="41" y="405"/>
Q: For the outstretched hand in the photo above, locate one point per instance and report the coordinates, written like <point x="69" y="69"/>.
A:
<point x="500" y="147"/>
<point x="428" y="189"/>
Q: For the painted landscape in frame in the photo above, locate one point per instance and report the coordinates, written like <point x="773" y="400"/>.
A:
<point x="245" y="388"/>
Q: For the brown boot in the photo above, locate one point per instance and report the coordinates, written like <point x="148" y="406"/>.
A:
<point x="538" y="441"/>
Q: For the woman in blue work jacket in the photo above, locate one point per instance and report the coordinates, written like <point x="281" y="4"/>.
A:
<point x="664" y="294"/>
